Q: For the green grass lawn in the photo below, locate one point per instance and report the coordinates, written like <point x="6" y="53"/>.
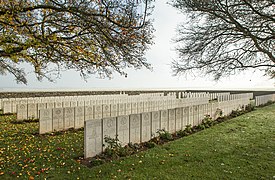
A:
<point x="240" y="148"/>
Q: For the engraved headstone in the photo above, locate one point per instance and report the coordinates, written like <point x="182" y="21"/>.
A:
<point x="87" y="103"/>
<point x="22" y="112"/>
<point x="123" y="130"/>
<point x="68" y="117"/>
<point x="140" y="107"/>
<point x="121" y="109"/>
<point x="45" y="121"/>
<point x="93" y="141"/>
<point x="172" y="120"/>
<point x="135" y="128"/>
<point x="79" y="117"/>
<point x="134" y="108"/>
<point x="66" y="104"/>
<point x="89" y="113"/>
<point x="58" y="119"/>
<point x="32" y="111"/>
<point x="98" y="111"/>
<point x="50" y="105"/>
<point x="106" y="110"/>
<point x="128" y="108"/>
<point x="73" y="103"/>
<point x="7" y="107"/>
<point x="58" y="104"/>
<point x="114" y="110"/>
<point x="190" y="116"/>
<point x="146" y="121"/>
<point x="155" y="122"/>
<point x="164" y="120"/>
<point x="185" y="119"/>
<point x="179" y="118"/>
<point x="109" y="128"/>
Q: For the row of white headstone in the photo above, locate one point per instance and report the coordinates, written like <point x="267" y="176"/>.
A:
<point x="31" y="110"/>
<point x="56" y="119"/>
<point x="141" y="127"/>
<point x="263" y="99"/>
<point x="9" y="105"/>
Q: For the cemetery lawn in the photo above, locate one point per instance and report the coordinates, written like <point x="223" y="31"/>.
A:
<point x="240" y="148"/>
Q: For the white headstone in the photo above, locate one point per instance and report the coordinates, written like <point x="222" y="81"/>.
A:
<point x="93" y="141"/>
<point x="89" y="113"/>
<point x="45" y="121"/>
<point x="68" y="117"/>
<point x="7" y="107"/>
<point x="114" y="110"/>
<point x="164" y="120"/>
<point x="172" y="120"/>
<point x="98" y="111"/>
<point x="134" y="108"/>
<point x="32" y="111"/>
<point x="146" y="121"/>
<point x="79" y="117"/>
<point x="140" y="107"/>
<point x="109" y="129"/>
<point x="58" y="119"/>
<point x="106" y="110"/>
<point x="123" y="131"/>
<point x="58" y="104"/>
<point x="66" y="104"/>
<point x="135" y="128"/>
<point x="121" y="109"/>
<point x="190" y="116"/>
<point x="80" y="103"/>
<point x="22" y="112"/>
<point x="50" y="105"/>
<point x="185" y="119"/>
<point x="155" y="121"/>
<point x="179" y="118"/>
<point x="128" y="109"/>
<point x="73" y="103"/>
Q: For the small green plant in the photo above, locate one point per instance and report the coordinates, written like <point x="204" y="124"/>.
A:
<point x="182" y="133"/>
<point x="114" y="148"/>
<point x="164" y="135"/>
<point x="250" y="107"/>
<point x="188" y="129"/>
<point x="150" y="144"/>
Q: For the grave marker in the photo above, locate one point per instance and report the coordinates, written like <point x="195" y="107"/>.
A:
<point x="93" y="141"/>
<point x="179" y="118"/>
<point x="89" y="113"/>
<point x="58" y="119"/>
<point x="32" y="111"/>
<point x="135" y="128"/>
<point x="22" y="112"/>
<point x="68" y="117"/>
<point x="79" y="117"/>
<point x="172" y="120"/>
<point x="109" y="129"/>
<point x="155" y="122"/>
<point x="146" y="126"/>
<point x="45" y="121"/>
<point x="164" y="120"/>
<point x="123" y="130"/>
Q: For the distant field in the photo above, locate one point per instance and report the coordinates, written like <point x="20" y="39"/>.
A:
<point x="240" y="148"/>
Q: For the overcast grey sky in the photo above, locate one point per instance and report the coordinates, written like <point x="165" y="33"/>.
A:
<point x="160" y="56"/>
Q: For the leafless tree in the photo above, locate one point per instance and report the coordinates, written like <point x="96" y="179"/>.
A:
<point x="223" y="37"/>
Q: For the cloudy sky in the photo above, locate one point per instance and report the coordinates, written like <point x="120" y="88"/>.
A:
<point x="166" y="19"/>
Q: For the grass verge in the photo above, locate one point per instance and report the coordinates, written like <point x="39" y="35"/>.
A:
<point x="241" y="148"/>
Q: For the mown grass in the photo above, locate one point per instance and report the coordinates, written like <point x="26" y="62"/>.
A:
<point x="240" y="148"/>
